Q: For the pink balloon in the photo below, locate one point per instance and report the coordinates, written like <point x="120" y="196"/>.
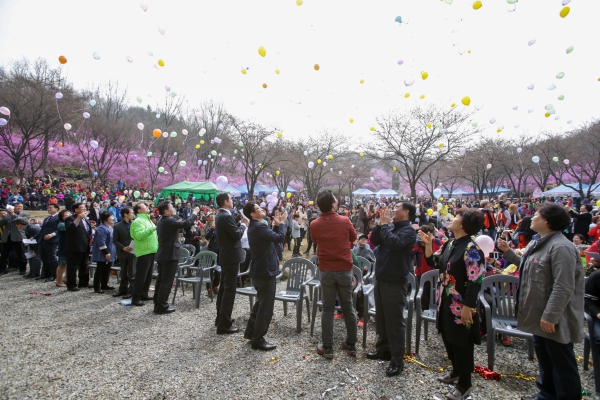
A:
<point x="566" y="162"/>
<point x="486" y="244"/>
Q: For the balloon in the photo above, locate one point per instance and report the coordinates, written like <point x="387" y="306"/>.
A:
<point x="58" y="95"/>
<point x="478" y="106"/>
<point x="515" y="108"/>
<point x="462" y="151"/>
<point x="92" y="103"/>
<point x="316" y="67"/>
<point x="441" y="198"/>
<point x="94" y="144"/>
<point x="530" y="110"/>
<point x="162" y="32"/>
<point x="62" y="59"/>
<point x="560" y="75"/>
<point x="129" y="59"/>
<point x="5" y="111"/>
<point x="156" y="133"/>
<point x="96" y="56"/>
<point x="264" y="85"/>
<point x="197" y="146"/>
<point x="299" y="2"/>
<point x="489" y="166"/>
<point x="406" y="95"/>
<point x="311" y="164"/>
<point x="564" y="12"/>
<point x="279" y="134"/>
<point x="519" y="150"/>
<point x="86" y="115"/>
<point x="277" y="71"/>
<point x="429" y="212"/>
<point x="140" y="126"/>
<point x="477" y="5"/>
<point x="165" y="134"/>
<point x="551" y="86"/>
<point x="67" y="126"/>
<point x="173" y="134"/>
<point x="222" y="182"/>
<point x="263" y="204"/>
<point x="220" y="127"/>
<point x="202" y="142"/>
<point x="361" y="154"/>
<point x="161" y="169"/>
<point x="441" y="145"/>
<point x="241" y="144"/>
<point x="161" y="63"/>
<point x="439" y="206"/>
<point x="213" y="153"/>
<point x="93" y="194"/>
<point x="372" y="178"/>
<point x="3" y="122"/>
<point x="493" y="121"/>
<point x="486" y="244"/>
<point x="474" y="124"/>
<point x="398" y="19"/>
<point x="282" y="194"/>
<point x="288" y="195"/>
<point x="535" y="159"/>
<point x="144" y="7"/>
<point x="139" y="99"/>
<point x="184" y="132"/>
<point x="566" y="162"/>
<point x="424" y="75"/>
<point x="149" y="154"/>
<point x="437" y="193"/>
<point x="561" y="97"/>
<point x="420" y="193"/>
<point x="570" y="49"/>
<point x="400" y="62"/>
<point x="362" y="81"/>
<point x="466" y="100"/>
<point x="530" y="86"/>
<point x="555" y="159"/>
<point x="409" y="81"/>
<point x="351" y="120"/>
<point x="243" y="71"/>
<point x="531" y="41"/>
<point x="136" y="194"/>
<point x="262" y="51"/>
<point x="95" y="174"/>
<point x="202" y="132"/>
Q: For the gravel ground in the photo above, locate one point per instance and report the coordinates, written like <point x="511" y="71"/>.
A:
<point x="81" y="345"/>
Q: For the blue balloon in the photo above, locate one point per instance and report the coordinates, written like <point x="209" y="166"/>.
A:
<point x="95" y="174"/>
<point x="398" y="19"/>
<point x="92" y="103"/>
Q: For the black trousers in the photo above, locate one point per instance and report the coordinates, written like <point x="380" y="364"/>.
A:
<point x="226" y="296"/>
<point x="296" y="246"/>
<point x="559" y="378"/>
<point x="19" y="249"/>
<point x="78" y="262"/>
<point x="164" y="283"/>
<point x="48" y="253"/>
<point x="143" y="277"/>
<point x="262" y="312"/>
<point x="390" y="301"/>
<point x="463" y="362"/>
<point x="127" y="275"/>
<point x="102" y="275"/>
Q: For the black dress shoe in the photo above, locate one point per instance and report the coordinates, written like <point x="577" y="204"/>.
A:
<point x="167" y="311"/>
<point x="137" y="303"/>
<point x="264" y="346"/>
<point x="127" y="296"/>
<point x="86" y="286"/>
<point x="227" y="331"/>
<point x="29" y="277"/>
<point x="22" y="273"/>
<point x="37" y="277"/>
<point x="217" y="321"/>
<point x="118" y="294"/>
<point x="49" y="280"/>
<point x="108" y="288"/>
<point x="73" y="289"/>
<point x="379" y="356"/>
<point x="145" y="298"/>
<point x="393" y="370"/>
<point x="99" y="291"/>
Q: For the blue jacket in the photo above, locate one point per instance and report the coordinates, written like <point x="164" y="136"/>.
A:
<point x="395" y="242"/>
<point x="103" y="244"/>
<point x="263" y="254"/>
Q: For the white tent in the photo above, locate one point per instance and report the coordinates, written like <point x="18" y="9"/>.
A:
<point x="563" y="190"/>
<point x="386" y="193"/>
<point x="362" y="192"/>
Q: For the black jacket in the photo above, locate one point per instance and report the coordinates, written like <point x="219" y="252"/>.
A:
<point x="582" y="222"/>
<point x="395" y="242"/>
<point x="49" y="226"/>
<point x="229" y="234"/>
<point x="263" y="253"/>
<point x="122" y="238"/>
<point x="78" y="236"/>
<point x="167" y="229"/>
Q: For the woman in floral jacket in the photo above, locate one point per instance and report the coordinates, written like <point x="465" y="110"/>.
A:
<point x="462" y="268"/>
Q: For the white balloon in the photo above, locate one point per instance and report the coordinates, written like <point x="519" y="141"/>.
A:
<point x="515" y="108"/>
<point x="530" y="110"/>
<point x="3" y="122"/>
<point x="96" y="56"/>
<point x="519" y="150"/>
<point x="92" y="102"/>
<point x="565" y="2"/>
<point x="86" y="115"/>
<point x="535" y="159"/>
<point x="129" y="59"/>
<point x="4" y="110"/>
<point x="569" y="121"/>
<point x="167" y="88"/>
<point x="58" y="95"/>
<point x="311" y="164"/>
<point x="202" y="132"/>
<point x="221" y="127"/>
<point x="409" y="81"/>
<point x="478" y="106"/>
<point x="184" y="132"/>
<point x="437" y="193"/>
<point x="530" y="86"/>
<point x="489" y="166"/>
<point x="517" y="126"/>
<point x="140" y="126"/>
<point x="531" y="42"/>
<point x="493" y="121"/>
<point x="161" y="31"/>
<point x="67" y="126"/>
<point x="222" y="182"/>
<point x="511" y="7"/>
<point x="94" y="144"/>
<point x="144" y="7"/>
<point x="551" y="86"/>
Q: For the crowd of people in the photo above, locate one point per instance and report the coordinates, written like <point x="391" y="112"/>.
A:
<point x="549" y="245"/>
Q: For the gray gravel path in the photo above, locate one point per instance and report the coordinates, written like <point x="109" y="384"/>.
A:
<point x="84" y="345"/>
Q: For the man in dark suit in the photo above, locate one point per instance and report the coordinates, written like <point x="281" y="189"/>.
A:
<point x="48" y="240"/>
<point x="231" y="254"/>
<point x="14" y="224"/>
<point x="79" y="234"/>
<point x="167" y="255"/>
<point x="264" y="269"/>
<point x="122" y="241"/>
<point x="583" y="219"/>
<point x="94" y="213"/>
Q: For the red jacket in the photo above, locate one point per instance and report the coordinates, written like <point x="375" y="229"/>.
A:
<point x="333" y="234"/>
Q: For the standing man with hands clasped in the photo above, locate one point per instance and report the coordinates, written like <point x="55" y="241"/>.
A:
<point x="392" y="266"/>
<point x="167" y="255"/>
<point x="122" y="240"/>
<point x="264" y="269"/>
<point x="231" y="254"/>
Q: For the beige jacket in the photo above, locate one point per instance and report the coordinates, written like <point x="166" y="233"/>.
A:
<point x="552" y="288"/>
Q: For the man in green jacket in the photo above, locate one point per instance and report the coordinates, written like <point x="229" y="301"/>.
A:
<point x="145" y="240"/>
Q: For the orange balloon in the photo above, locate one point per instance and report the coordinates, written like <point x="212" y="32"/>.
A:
<point x="156" y="133"/>
<point x="62" y="59"/>
<point x="264" y="85"/>
<point x="317" y="67"/>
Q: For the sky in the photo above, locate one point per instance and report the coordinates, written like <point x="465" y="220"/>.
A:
<point x="206" y="44"/>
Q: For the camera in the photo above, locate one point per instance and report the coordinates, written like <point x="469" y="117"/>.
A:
<point x="495" y="255"/>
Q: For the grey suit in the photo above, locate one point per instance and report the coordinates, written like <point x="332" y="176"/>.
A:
<point x="12" y="238"/>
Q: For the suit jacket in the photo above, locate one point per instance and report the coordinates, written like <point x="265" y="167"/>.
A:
<point x="122" y="238"/>
<point x="229" y="235"/>
<point x="168" y="237"/>
<point x="49" y="226"/>
<point x="582" y="222"/>
<point x="263" y="253"/>
<point x="10" y="227"/>
<point x="94" y="214"/>
<point x="78" y="237"/>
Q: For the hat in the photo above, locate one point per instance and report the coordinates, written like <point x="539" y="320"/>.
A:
<point x="363" y="236"/>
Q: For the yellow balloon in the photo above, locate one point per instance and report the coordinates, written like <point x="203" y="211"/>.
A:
<point x="424" y="75"/>
<point x="277" y="71"/>
<point x="395" y="169"/>
<point x="362" y="81"/>
<point x="429" y="212"/>
<point x="441" y="145"/>
<point x="299" y="2"/>
<point x="330" y="157"/>
<point x="469" y="51"/>
<point x="565" y="11"/>
<point x="316" y="67"/>
<point x="351" y="120"/>
<point x="373" y="128"/>
<point x="361" y="154"/>
<point x="270" y="175"/>
<point x="429" y="125"/>
<point x="453" y="105"/>
<point x="499" y="130"/>
<point x="477" y="5"/>
<point x="277" y="172"/>
<point x="441" y="199"/>
<point x="547" y="115"/>
<point x="197" y="146"/>
<point x="422" y="97"/>
<point x="262" y="51"/>
<point x="319" y="161"/>
<point x="279" y="134"/>
<point x="466" y="100"/>
<point x="288" y="195"/>
<point x="202" y="142"/>
<point x="407" y="95"/>
<point x="243" y="71"/>
<point x="598" y="203"/>
<point x="161" y="63"/>
<point x="311" y="202"/>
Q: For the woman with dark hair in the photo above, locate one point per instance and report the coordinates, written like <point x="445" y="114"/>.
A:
<point x="62" y="247"/>
<point x="103" y="252"/>
<point x="550" y="301"/>
<point x="462" y="267"/>
<point x="524" y="232"/>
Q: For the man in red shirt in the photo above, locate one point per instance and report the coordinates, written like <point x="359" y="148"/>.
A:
<point x="333" y="234"/>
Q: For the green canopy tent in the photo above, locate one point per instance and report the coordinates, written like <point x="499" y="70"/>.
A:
<point x="200" y="190"/>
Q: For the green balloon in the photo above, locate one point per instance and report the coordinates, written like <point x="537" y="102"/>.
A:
<point x="213" y="153"/>
<point x="561" y="97"/>
<point x="512" y="1"/>
<point x="161" y="169"/>
<point x="570" y="49"/>
<point x="149" y="154"/>
<point x="555" y="159"/>
<point x="474" y="124"/>
<point x="173" y="134"/>
<point x="136" y="194"/>
<point x="139" y="99"/>
<point x="549" y="106"/>
<point x="560" y="75"/>
<point x="241" y="144"/>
